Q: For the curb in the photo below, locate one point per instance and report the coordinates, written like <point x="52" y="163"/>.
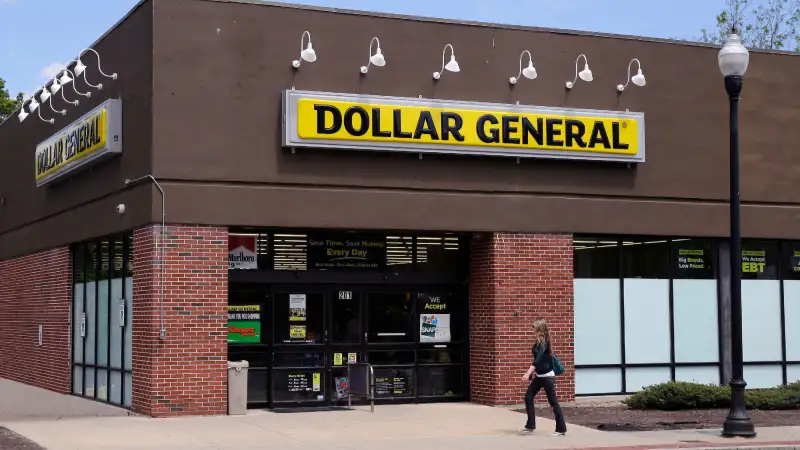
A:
<point x="767" y="445"/>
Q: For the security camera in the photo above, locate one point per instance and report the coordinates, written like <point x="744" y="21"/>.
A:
<point x="121" y="208"/>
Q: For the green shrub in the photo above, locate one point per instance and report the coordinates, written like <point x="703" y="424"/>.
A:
<point x="680" y="395"/>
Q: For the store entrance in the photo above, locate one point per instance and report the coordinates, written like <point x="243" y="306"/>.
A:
<point x="415" y="338"/>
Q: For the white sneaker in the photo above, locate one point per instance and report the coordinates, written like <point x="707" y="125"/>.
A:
<point x="559" y="434"/>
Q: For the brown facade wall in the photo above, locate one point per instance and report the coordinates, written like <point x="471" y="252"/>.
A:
<point x="186" y="373"/>
<point x="36" y="290"/>
<point x="515" y="279"/>
<point x="231" y="142"/>
<point x="83" y="206"/>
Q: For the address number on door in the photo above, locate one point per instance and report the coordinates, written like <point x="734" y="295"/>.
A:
<point x="345" y="295"/>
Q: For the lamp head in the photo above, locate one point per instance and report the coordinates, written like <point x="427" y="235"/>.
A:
<point x="79" y="67"/>
<point x="33" y="104"/>
<point x="65" y="78"/>
<point x="530" y="71"/>
<point x="452" y="66"/>
<point x="55" y="86"/>
<point x="586" y="74"/>
<point x="733" y="57"/>
<point x="638" y="79"/>
<point x="377" y="59"/>
<point x="309" y="55"/>
<point x="22" y="114"/>
<point x="44" y="95"/>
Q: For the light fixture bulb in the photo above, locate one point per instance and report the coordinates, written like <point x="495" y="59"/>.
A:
<point x="586" y="74"/>
<point x="452" y="66"/>
<point x="44" y="95"/>
<point x="55" y="86"/>
<point x="33" y="104"/>
<point x="733" y="57"/>
<point x="530" y="71"/>
<point x="309" y="55"/>
<point x="65" y="78"/>
<point x="377" y="59"/>
<point x="79" y="68"/>
<point x="638" y="79"/>
<point x="22" y="115"/>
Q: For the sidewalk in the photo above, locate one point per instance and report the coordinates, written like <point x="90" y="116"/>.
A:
<point x="438" y="426"/>
<point x="20" y="401"/>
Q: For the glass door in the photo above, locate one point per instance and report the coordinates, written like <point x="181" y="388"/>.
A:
<point x="346" y="325"/>
<point x="299" y="375"/>
<point x="391" y="339"/>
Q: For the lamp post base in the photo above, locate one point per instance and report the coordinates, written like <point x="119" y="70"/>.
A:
<point x="738" y="423"/>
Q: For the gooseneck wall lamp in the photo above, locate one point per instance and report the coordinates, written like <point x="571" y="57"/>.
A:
<point x="637" y="79"/>
<point x="733" y="60"/>
<point x="33" y="105"/>
<point x="307" y="53"/>
<point x="80" y="69"/>
<point x="67" y="77"/>
<point x="528" y="72"/>
<point x="377" y="59"/>
<point x="451" y="66"/>
<point x="45" y="96"/>
<point x="585" y="74"/>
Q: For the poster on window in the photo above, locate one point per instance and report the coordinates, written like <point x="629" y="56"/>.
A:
<point x="434" y="328"/>
<point x="242" y="251"/>
<point x="349" y="251"/>
<point x="297" y="307"/>
<point x="341" y="386"/>
<point x="244" y="324"/>
<point x="795" y="261"/>
<point x="754" y="261"/>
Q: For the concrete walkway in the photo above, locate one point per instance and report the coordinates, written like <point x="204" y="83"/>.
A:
<point x="20" y="402"/>
<point x="439" y="426"/>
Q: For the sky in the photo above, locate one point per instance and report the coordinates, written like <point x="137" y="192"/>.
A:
<point x="31" y="52"/>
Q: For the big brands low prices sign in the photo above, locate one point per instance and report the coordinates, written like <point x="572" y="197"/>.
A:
<point x="95" y="135"/>
<point x="366" y="122"/>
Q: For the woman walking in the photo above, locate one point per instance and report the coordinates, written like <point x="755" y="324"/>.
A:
<point x="542" y="376"/>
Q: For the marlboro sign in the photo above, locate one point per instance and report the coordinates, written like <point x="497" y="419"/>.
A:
<point x="242" y="251"/>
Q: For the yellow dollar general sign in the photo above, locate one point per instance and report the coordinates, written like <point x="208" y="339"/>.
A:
<point x="361" y="122"/>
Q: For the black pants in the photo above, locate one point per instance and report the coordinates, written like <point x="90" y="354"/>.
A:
<point x="549" y="385"/>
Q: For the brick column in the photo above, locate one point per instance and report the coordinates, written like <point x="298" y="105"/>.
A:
<point x="515" y="279"/>
<point x="185" y="373"/>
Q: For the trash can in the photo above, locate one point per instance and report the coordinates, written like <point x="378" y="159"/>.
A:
<point x="237" y="387"/>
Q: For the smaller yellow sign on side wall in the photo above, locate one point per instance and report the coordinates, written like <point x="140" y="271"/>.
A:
<point x="96" y="134"/>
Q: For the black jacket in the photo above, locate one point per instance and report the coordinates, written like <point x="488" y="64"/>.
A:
<point x="542" y="358"/>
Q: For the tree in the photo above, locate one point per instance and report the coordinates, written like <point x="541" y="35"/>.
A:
<point x="8" y="104"/>
<point x="765" y="24"/>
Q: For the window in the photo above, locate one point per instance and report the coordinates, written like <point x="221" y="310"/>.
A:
<point x="390" y="317"/>
<point x="596" y="258"/>
<point x="438" y="253"/>
<point x="646" y="258"/>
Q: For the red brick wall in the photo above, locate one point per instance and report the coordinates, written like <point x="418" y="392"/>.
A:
<point x="36" y="290"/>
<point x="186" y="373"/>
<point x="515" y="279"/>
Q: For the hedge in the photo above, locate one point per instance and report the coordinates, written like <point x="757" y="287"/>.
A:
<point x="678" y="395"/>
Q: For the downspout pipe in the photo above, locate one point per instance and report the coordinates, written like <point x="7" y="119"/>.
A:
<point x="162" y="247"/>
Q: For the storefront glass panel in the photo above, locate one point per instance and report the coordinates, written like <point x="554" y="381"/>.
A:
<point x="102" y="318"/>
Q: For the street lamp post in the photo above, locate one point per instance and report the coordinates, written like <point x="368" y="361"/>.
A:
<point x="733" y="59"/>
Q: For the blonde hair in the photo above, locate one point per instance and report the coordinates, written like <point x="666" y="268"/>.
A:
<point x="542" y="331"/>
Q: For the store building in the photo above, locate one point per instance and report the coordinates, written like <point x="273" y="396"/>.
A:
<point x="318" y="214"/>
